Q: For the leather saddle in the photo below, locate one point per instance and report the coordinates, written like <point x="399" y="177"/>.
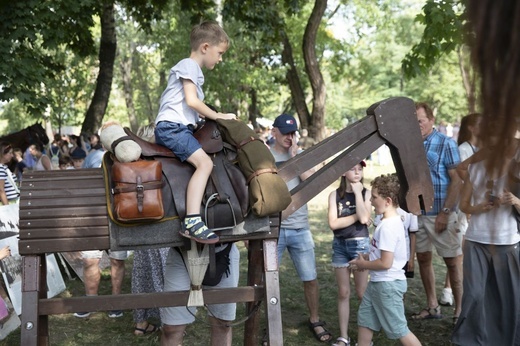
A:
<point x="226" y="198"/>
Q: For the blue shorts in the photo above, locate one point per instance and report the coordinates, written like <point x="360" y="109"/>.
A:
<point x="176" y="278"/>
<point x="178" y="138"/>
<point x="382" y="306"/>
<point x="345" y="250"/>
<point x="300" y="245"/>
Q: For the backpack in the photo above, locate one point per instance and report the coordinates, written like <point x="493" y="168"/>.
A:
<point x="55" y="158"/>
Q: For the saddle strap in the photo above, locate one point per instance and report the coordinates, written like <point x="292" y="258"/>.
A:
<point x="222" y="196"/>
<point x="246" y="141"/>
<point x="261" y="171"/>
<point x="119" y="140"/>
<point x="138" y="187"/>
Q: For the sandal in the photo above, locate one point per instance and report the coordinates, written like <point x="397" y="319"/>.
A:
<point x="343" y="341"/>
<point x="317" y="335"/>
<point x="147" y="330"/>
<point x="200" y="233"/>
<point x="431" y="314"/>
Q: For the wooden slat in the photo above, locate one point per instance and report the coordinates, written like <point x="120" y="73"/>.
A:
<point x="63" y="192"/>
<point x="64" y="174"/>
<point x="64" y="232"/>
<point x="39" y="246"/>
<point x="75" y="212"/>
<point x="62" y="202"/>
<point x="146" y="300"/>
<point x="65" y="222"/>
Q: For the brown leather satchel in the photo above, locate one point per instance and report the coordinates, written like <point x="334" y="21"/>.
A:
<point x="137" y="190"/>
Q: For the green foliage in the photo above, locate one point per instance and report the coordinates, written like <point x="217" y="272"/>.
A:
<point x="32" y="31"/>
<point x="11" y="114"/>
<point x="52" y="67"/>
<point x="443" y="33"/>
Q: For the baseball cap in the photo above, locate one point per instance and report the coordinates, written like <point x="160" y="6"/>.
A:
<point x="78" y="154"/>
<point x="285" y="123"/>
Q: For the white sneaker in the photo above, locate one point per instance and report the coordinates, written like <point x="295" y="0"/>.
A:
<point x="446" y="297"/>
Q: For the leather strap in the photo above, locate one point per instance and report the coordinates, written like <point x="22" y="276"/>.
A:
<point x="246" y="141"/>
<point x="150" y="185"/>
<point x="119" y="140"/>
<point x="261" y="171"/>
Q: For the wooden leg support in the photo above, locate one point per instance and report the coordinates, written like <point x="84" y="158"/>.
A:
<point x="272" y="293"/>
<point x="35" y="328"/>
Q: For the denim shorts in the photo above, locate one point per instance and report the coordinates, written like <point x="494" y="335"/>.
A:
<point x="300" y="245"/>
<point x="382" y="306"/>
<point x="345" y="250"/>
<point x="178" y="138"/>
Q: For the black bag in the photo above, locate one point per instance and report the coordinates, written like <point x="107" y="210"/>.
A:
<point x="222" y="263"/>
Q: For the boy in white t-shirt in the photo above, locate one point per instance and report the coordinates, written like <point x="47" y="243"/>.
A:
<point x="382" y="305"/>
<point x="411" y="226"/>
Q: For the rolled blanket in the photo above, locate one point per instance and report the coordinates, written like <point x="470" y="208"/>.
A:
<point x="268" y="192"/>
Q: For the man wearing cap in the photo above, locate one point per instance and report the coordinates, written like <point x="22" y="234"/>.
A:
<point x="295" y="234"/>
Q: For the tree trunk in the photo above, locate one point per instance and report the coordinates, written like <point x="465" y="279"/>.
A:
<point x="107" y="56"/>
<point x="145" y="90"/>
<point x="253" y="107"/>
<point x="468" y="80"/>
<point x="294" y="82"/>
<point x="317" y="120"/>
<point x="126" y="72"/>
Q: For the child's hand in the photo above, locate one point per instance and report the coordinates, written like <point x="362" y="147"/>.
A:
<point x="229" y="116"/>
<point x="357" y="187"/>
<point x="358" y="263"/>
<point x="5" y="252"/>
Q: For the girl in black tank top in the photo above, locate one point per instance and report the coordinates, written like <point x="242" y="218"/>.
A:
<point x="349" y="217"/>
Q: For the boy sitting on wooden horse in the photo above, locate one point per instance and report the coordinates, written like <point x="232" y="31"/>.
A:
<point x="181" y="105"/>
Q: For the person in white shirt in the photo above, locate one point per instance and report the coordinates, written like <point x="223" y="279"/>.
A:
<point x="382" y="305"/>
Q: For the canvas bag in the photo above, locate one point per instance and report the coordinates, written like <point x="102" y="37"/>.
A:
<point x="268" y="192"/>
<point x="137" y="190"/>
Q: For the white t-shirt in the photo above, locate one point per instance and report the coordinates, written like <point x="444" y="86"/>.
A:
<point x="389" y="236"/>
<point x="466" y="150"/>
<point x="173" y="106"/>
<point x="410" y="224"/>
<point x="497" y="226"/>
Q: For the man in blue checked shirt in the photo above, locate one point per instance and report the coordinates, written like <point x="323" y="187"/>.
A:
<point x="438" y="226"/>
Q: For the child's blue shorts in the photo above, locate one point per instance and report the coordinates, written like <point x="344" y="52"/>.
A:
<point x="178" y="138"/>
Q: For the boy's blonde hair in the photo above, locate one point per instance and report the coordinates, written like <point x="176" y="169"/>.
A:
<point x="209" y="32"/>
<point x="387" y="186"/>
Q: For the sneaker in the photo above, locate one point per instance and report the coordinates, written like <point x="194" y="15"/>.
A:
<point x="82" y="314"/>
<point x="115" y="314"/>
<point x="446" y="297"/>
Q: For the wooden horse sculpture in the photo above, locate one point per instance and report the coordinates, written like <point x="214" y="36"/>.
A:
<point x="67" y="211"/>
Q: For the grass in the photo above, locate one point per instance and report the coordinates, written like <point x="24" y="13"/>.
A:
<point x="66" y="330"/>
